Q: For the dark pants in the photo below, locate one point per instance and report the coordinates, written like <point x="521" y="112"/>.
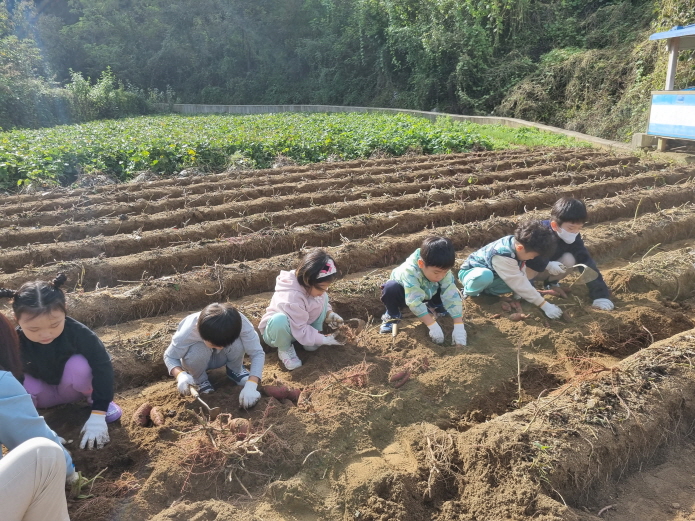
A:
<point x="393" y="297"/>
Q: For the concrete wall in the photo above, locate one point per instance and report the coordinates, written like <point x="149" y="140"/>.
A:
<point x="482" y="120"/>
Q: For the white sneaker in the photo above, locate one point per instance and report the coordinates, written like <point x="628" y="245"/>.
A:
<point x="289" y="358"/>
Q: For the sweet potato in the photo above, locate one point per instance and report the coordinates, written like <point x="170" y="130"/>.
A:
<point x="496" y="315"/>
<point x="240" y="426"/>
<point x="516" y="317"/>
<point x="402" y="382"/>
<point x="293" y="394"/>
<point x="506" y="307"/>
<point x="157" y="417"/>
<point x="398" y="376"/>
<point x="142" y="415"/>
<point x="277" y="392"/>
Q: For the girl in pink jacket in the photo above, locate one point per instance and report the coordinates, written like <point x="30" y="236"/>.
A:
<point x="299" y="308"/>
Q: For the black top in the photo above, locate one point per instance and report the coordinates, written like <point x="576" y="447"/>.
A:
<point x="597" y="288"/>
<point x="47" y="361"/>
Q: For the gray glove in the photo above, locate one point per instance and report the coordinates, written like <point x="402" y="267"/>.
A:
<point x="333" y="320"/>
<point x="184" y="382"/>
<point x="459" y="337"/>
<point x="603" y="303"/>
<point x="556" y="268"/>
<point x="551" y="310"/>
<point x="330" y="340"/>
<point x="436" y="333"/>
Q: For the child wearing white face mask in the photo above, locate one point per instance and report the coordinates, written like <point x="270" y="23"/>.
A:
<point x="567" y="218"/>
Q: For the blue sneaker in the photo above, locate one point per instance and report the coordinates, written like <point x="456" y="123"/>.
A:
<point x="387" y="322"/>
<point x="240" y="377"/>
<point x="206" y="388"/>
<point x="113" y="413"/>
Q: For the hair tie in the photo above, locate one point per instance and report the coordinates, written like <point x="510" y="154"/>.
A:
<point x="328" y="269"/>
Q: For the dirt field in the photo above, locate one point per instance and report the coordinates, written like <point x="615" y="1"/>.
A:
<point x="533" y="420"/>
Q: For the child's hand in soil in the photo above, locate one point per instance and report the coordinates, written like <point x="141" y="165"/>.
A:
<point x="333" y="320"/>
<point x="183" y="383"/>
<point x="249" y="395"/>
<point x="436" y="333"/>
<point x="459" y="337"/>
<point x="551" y="310"/>
<point x="603" y="304"/>
<point x="331" y="340"/>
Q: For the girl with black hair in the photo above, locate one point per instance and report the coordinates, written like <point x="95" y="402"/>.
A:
<point x="299" y="308"/>
<point x="34" y="472"/>
<point x="63" y="360"/>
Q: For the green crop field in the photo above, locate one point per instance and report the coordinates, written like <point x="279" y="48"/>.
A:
<point x="168" y="143"/>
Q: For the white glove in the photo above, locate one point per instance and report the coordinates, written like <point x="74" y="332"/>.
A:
<point x="330" y="340"/>
<point x="333" y="320"/>
<point x="556" y="268"/>
<point x="436" y="333"/>
<point x="603" y="303"/>
<point x="183" y="383"/>
<point x="459" y="336"/>
<point x="72" y="476"/>
<point x="551" y="310"/>
<point x="95" y="431"/>
<point x="249" y="395"/>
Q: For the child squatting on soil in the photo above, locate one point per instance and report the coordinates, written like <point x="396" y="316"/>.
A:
<point x="425" y="284"/>
<point x="299" y="308"/>
<point x="219" y="335"/>
<point x="34" y="473"/>
<point x="64" y="361"/>
<point x="567" y="218"/>
<point x="500" y="267"/>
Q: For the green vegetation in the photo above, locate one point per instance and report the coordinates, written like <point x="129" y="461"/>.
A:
<point x="585" y="65"/>
<point x="166" y="144"/>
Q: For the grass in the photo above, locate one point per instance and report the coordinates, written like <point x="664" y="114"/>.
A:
<point x="166" y="144"/>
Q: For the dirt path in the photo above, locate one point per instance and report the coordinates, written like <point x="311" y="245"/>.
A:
<point x="529" y="416"/>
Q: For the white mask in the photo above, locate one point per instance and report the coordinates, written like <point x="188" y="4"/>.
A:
<point x="566" y="236"/>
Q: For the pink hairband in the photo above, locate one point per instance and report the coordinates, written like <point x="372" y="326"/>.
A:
<point x="328" y="269"/>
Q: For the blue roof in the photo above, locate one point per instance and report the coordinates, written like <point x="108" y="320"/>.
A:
<point x="676" y="32"/>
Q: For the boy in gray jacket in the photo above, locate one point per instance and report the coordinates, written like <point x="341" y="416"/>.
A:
<point x="219" y="335"/>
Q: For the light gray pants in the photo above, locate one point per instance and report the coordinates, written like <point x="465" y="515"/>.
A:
<point x="200" y="358"/>
<point x="32" y="482"/>
<point x="567" y="259"/>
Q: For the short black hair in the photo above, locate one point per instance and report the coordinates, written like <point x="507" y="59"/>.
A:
<point x="535" y="237"/>
<point x="438" y="252"/>
<point x="569" y="210"/>
<point x="311" y="266"/>
<point x="219" y="324"/>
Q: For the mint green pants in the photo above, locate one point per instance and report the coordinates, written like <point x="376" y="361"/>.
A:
<point x="278" y="333"/>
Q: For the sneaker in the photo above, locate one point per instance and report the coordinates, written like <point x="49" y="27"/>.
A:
<point x="239" y="378"/>
<point x="289" y="358"/>
<point x="387" y="322"/>
<point x="113" y="412"/>
<point x="206" y="388"/>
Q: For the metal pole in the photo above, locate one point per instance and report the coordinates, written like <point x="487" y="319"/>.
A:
<point x="673" y="48"/>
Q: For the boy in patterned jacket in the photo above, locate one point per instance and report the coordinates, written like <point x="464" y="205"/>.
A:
<point x="424" y="283"/>
<point x="500" y="267"/>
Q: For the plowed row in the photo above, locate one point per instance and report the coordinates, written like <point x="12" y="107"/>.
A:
<point x="139" y="257"/>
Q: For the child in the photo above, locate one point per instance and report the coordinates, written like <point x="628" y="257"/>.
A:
<point x="34" y="473"/>
<point x="219" y="335"/>
<point x="64" y="361"/>
<point x="567" y="218"/>
<point x="424" y="282"/>
<point x="300" y="307"/>
<point x="500" y="267"/>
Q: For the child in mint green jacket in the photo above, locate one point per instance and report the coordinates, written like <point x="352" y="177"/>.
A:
<point x="424" y="283"/>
